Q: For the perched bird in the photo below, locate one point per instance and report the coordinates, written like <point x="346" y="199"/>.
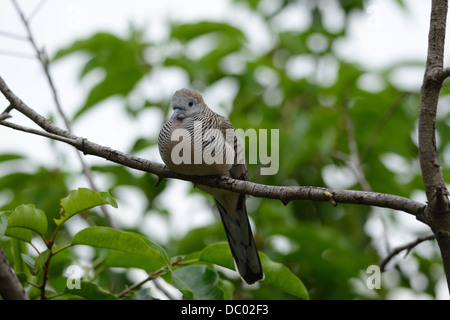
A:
<point x="192" y="137"/>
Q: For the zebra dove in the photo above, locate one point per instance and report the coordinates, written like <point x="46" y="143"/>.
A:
<point x="198" y="141"/>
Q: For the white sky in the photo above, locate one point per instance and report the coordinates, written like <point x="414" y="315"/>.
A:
<point x="379" y="36"/>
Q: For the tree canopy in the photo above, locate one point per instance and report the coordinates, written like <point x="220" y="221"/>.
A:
<point x="341" y="125"/>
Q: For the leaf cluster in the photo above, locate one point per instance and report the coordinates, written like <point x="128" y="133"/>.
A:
<point x="193" y="275"/>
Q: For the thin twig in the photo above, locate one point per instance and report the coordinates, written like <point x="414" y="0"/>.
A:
<point x="16" y="54"/>
<point x="407" y="246"/>
<point x="380" y="125"/>
<point x="35" y="131"/>
<point x="46" y="265"/>
<point x="27" y="27"/>
<point x="42" y="57"/>
<point x="355" y="161"/>
<point x="140" y="284"/>
<point x="355" y="157"/>
<point x="5" y="114"/>
<point x="36" y="10"/>
<point x="150" y="277"/>
<point x="283" y="193"/>
<point x="13" y="36"/>
<point x="356" y="164"/>
<point x="33" y="284"/>
<point x="439" y="74"/>
<point x="55" y="295"/>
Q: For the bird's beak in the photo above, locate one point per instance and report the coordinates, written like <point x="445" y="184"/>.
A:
<point x="176" y="112"/>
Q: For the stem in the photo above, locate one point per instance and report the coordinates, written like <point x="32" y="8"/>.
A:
<point x="139" y="284"/>
<point x="42" y="57"/>
<point x="431" y="170"/>
<point x="407" y="246"/>
<point x="437" y="213"/>
<point x="61" y="249"/>
<point x="283" y="193"/>
<point x="45" y="267"/>
<point x="151" y="276"/>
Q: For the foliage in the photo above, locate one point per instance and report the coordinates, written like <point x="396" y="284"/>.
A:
<point x="192" y="276"/>
<point x="298" y="84"/>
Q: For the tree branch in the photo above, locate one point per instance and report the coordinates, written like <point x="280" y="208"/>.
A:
<point x="432" y="83"/>
<point x="355" y="162"/>
<point x="42" y="57"/>
<point x="283" y="193"/>
<point x="407" y="246"/>
<point x="10" y="288"/>
<point x="437" y="213"/>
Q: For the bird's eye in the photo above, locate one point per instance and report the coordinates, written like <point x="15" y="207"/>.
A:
<point x="190" y="103"/>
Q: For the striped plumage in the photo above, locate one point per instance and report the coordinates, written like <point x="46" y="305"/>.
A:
<point x="193" y="116"/>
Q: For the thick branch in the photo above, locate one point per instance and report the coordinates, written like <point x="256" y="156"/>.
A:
<point x="437" y="213"/>
<point x="10" y="287"/>
<point x="283" y="193"/>
<point x="432" y="83"/>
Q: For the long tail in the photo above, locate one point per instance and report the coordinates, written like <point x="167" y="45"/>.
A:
<point x="240" y="239"/>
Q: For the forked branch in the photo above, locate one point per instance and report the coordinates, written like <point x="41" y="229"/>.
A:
<point x="283" y="193"/>
<point x="437" y="213"/>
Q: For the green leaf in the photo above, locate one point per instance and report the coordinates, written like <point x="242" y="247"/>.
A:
<point x="218" y="253"/>
<point x="83" y="199"/>
<point x="228" y="289"/>
<point x="142" y="144"/>
<point x="35" y="264"/>
<point x="18" y="233"/>
<point x="30" y="262"/>
<point x="127" y="242"/>
<point x="275" y="273"/>
<point x="41" y="260"/>
<point x="290" y="41"/>
<point x="282" y="278"/>
<point x="344" y="258"/>
<point x="186" y="32"/>
<point x="10" y="157"/>
<point x="121" y="60"/>
<point x="198" y="282"/>
<point x="40" y="186"/>
<point x="19" y="249"/>
<point x="22" y="277"/>
<point x="128" y="260"/>
<point x="4" y="215"/>
<point x="91" y="291"/>
<point x="141" y="294"/>
<point x="198" y="238"/>
<point x="26" y="217"/>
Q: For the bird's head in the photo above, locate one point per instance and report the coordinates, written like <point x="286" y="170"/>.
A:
<point x="185" y="103"/>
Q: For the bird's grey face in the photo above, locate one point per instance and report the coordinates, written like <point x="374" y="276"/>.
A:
<point x="186" y="103"/>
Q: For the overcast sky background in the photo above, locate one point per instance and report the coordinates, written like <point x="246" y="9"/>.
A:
<point x="381" y="35"/>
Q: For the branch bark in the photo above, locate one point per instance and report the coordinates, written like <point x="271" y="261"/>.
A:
<point x="283" y="193"/>
<point x="437" y="212"/>
<point x="408" y="247"/>
<point x="10" y="287"/>
<point x="43" y="60"/>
